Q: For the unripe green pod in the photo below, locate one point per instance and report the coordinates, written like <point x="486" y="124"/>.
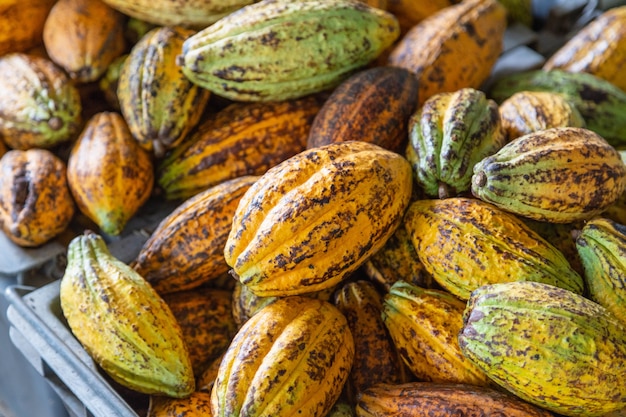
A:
<point x="560" y="175"/>
<point x="448" y="135"/>
<point x="601" y="245"/>
<point x="282" y="49"/>
<point x="547" y="345"/>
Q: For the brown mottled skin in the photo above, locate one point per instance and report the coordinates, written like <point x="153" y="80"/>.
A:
<point x="443" y="400"/>
<point x="35" y="201"/>
<point x="186" y="249"/>
<point x="242" y="139"/>
<point x="373" y="106"/>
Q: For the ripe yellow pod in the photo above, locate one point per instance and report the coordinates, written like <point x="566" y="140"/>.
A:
<point x="598" y="48"/>
<point x="291" y="358"/>
<point x="454" y="48"/>
<point x="109" y="174"/>
<point x="313" y="219"/>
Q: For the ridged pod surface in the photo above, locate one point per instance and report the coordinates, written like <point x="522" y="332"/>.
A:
<point x="39" y="106"/>
<point x="284" y="37"/>
<point x="601" y="245"/>
<point x="376" y="359"/>
<point x="396" y="261"/>
<point x="547" y="345"/>
<point x="186" y="249"/>
<point x="83" y="37"/>
<point x="157" y="100"/>
<point x="35" y="201"/>
<point x="466" y="243"/>
<point x="196" y="14"/>
<point x="442" y="400"/>
<point x="292" y="357"/>
<point x="313" y="219"/>
<point x="599" y="48"/>
<point x="109" y="175"/>
<point x="15" y="36"/>
<point x="242" y="139"/>
<point x="454" y="48"/>
<point x="448" y="135"/>
<point x="424" y="324"/>
<point x="530" y="111"/>
<point x="562" y="236"/>
<point x="560" y="175"/>
<point x="205" y="317"/>
<point x="122" y="323"/>
<point x="246" y="304"/>
<point x="601" y="104"/>
<point x="197" y="404"/>
<point x="373" y="105"/>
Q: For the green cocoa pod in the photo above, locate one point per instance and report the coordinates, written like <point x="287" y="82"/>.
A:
<point x="559" y="175"/>
<point x="298" y="48"/>
<point x="601" y="104"/>
<point x="448" y="135"/>
<point x="466" y="243"/>
<point x="547" y="345"/>
<point x="601" y="245"/>
<point x="39" y="105"/>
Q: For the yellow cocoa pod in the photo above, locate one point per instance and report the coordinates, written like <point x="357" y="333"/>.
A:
<point x="376" y="359"/>
<point x="454" y="48"/>
<point x="35" y="201"/>
<point x="530" y="111"/>
<point x="157" y="100"/>
<point x="84" y="37"/>
<point x="197" y="404"/>
<point x="312" y="220"/>
<point x="599" y="48"/>
<point x="122" y="323"/>
<point x="291" y="358"/>
<point x="466" y="243"/>
<point x="205" y="317"/>
<point x="424" y="325"/>
<point x="201" y="224"/>
<point x="21" y="24"/>
<point x="109" y="174"/>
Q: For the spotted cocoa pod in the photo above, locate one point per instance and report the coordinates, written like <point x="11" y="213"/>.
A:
<point x="284" y="37"/>
<point x="373" y="106"/>
<point x="35" y="201"/>
<point x="39" y="106"/>
<point x="109" y="174"/>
